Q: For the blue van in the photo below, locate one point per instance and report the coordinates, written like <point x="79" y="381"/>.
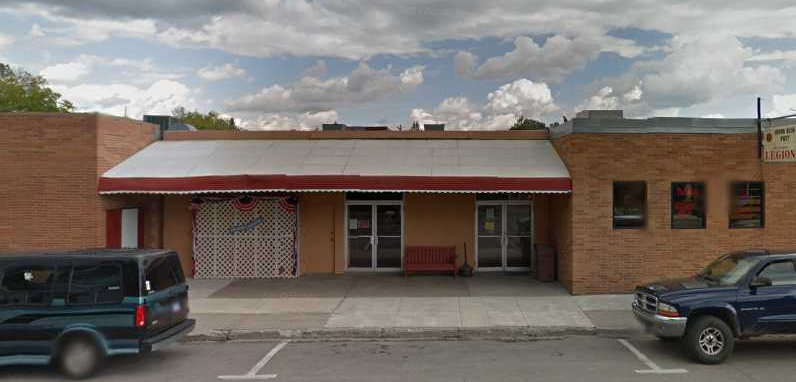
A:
<point x="74" y="309"/>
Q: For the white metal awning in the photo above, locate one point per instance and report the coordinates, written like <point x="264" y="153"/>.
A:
<point x="466" y="165"/>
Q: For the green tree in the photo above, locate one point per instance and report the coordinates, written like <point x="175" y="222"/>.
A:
<point x="204" y="121"/>
<point x="21" y="91"/>
<point x="527" y="124"/>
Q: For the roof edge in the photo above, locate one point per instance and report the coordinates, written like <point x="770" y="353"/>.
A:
<point x="656" y="125"/>
<point x="291" y="134"/>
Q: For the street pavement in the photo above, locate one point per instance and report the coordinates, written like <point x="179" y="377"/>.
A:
<point x="577" y="358"/>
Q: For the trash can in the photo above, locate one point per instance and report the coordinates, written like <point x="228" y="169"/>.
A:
<point x="545" y="263"/>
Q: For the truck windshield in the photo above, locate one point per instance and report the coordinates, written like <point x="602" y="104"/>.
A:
<point x="728" y="269"/>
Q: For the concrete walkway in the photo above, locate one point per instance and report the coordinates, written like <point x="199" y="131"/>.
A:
<point x="388" y="305"/>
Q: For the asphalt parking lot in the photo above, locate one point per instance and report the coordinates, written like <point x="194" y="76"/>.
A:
<point x="584" y="358"/>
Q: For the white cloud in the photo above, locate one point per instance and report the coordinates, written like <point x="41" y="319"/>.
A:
<point x="713" y="115"/>
<point x="295" y="121"/>
<point x="558" y="57"/>
<point x="782" y="104"/>
<point x="603" y="100"/>
<point x="522" y="97"/>
<point x="78" y="30"/>
<point x="457" y="113"/>
<point x="697" y="71"/>
<point x="347" y="29"/>
<point x="159" y="98"/>
<point x="607" y="99"/>
<point x="216" y="73"/>
<point x="464" y="64"/>
<point x="136" y="71"/>
<point x="412" y="76"/>
<point x="5" y="41"/>
<point x="65" y="72"/>
<point x="340" y="28"/>
<point x="311" y="94"/>
<point x="693" y="71"/>
<point x="36" y="31"/>
<point x="775" y="55"/>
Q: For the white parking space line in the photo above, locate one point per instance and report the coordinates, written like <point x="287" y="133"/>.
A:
<point x="653" y="367"/>
<point x="252" y="374"/>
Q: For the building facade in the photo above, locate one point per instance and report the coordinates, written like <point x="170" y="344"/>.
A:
<point x="622" y="201"/>
<point x="664" y="155"/>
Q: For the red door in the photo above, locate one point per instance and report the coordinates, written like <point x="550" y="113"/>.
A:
<point x="125" y="228"/>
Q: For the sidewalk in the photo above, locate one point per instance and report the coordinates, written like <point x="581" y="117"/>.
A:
<point x="390" y="306"/>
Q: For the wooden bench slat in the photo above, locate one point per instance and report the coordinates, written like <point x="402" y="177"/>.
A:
<point x="430" y="258"/>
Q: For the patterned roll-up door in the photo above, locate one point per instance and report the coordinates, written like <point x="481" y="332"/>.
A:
<point x="245" y="237"/>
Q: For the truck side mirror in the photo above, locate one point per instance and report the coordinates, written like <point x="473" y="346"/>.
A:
<point x="760" y="281"/>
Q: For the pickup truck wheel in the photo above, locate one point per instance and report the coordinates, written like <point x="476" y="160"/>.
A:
<point x="79" y="357"/>
<point x="709" y="340"/>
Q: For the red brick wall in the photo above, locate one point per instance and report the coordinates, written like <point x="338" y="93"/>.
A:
<point x="49" y="165"/>
<point x="607" y="260"/>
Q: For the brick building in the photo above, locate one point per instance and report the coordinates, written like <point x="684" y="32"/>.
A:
<point x="622" y="201"/>
<point x="49" y="167"/>
<point x="662" y="153"/>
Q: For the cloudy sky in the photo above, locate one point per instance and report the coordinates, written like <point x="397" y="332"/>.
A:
<point x="472" y="64"/>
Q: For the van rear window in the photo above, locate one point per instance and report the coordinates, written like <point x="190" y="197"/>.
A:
<point x="162" y="273"/>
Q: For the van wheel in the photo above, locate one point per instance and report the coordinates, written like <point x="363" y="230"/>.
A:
<point x="709" y="340"/>
<point x="79" y="357"/>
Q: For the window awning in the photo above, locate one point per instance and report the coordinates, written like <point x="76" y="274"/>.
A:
<point x="339" y="165"/>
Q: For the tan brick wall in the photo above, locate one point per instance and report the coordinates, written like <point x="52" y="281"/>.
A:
<point x="607" y="260"/>
<point x="560" y="223"/>
<point x="118" y="139"/>
<point x="49" y="166"/>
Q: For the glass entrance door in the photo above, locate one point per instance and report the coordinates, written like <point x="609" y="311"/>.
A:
<point x="504" y="240"/>
<point x="518" y="236"/>
<point x="490" y="236"/>
<point x="375" y="243"/>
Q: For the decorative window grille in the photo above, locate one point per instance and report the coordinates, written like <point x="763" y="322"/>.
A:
<point x="245" y="237"/>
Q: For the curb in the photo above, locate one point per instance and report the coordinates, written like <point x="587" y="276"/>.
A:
<point x="404" y="334"/>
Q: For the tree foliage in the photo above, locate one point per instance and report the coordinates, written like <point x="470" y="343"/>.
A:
<point x="21" y="91"/>
<point x="527" y="124"/>
<point x="204" y="121"/>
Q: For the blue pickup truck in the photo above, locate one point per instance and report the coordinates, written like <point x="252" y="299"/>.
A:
<point x="742" y="294"/>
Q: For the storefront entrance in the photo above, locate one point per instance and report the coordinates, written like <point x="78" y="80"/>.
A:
<point x="375" y="235"/>
<point x="503" y="239"/>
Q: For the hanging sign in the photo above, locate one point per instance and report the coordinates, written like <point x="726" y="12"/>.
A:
<point x="779" y="144"/>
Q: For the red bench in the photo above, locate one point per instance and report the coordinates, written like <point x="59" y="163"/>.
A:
<point x="430" y="259"/>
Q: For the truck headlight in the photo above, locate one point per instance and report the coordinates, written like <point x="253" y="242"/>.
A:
<point x="667" y="310"/>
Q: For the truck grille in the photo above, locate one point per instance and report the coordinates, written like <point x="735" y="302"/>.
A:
<point x="647" y="302"/>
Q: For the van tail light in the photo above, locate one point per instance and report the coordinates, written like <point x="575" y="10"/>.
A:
<point x="140" y="316"/>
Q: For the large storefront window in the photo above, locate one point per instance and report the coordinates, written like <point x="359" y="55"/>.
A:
<point x="688" y="205"/>
<point x="630" y="204"/>
<point x="746" y="204"/>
